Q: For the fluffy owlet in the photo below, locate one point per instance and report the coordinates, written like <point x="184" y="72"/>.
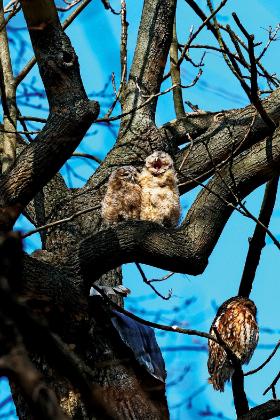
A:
<point x="236" y="325"/>
<point x="122" y="200"/>
<point x="160" y="196"/>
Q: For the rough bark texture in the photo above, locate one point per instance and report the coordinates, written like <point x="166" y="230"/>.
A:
<point x="57" y="279"/>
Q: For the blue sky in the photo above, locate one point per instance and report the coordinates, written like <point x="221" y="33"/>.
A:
<point x="95" y="36"/>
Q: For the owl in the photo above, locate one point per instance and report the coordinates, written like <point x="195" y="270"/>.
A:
<point x="122" y="200"/>
<point x="160" y="195"/>
<point x="236" y="325"/>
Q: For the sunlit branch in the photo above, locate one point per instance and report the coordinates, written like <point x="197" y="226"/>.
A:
<point x="175" y="75"/>
<point x="19" y="78"/>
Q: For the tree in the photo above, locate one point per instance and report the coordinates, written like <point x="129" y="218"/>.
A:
<point x="46" y="315"/>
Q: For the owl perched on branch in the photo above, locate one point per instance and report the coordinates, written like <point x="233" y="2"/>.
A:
<point x="160" y="196"/>
<point x="122" y="200"/>
<point x="236" y="325"/>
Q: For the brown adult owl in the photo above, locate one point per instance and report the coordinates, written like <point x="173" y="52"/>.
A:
<point x="236" y="325"/>
<point x="122" y="200"/>
<point x="160" y="196"/>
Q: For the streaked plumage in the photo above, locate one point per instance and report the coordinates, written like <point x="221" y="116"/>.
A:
<point x="122" y="200"/>
<point x="236" y="325"/>
<point x="160" y="196"/>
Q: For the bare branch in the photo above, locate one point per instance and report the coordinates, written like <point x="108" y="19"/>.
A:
<point x="187" y="249"/>
<point x="8" y="92"/>
<point x="87" y="156"/>
<point x="271" y="387"/>
<point x="71" y="113"/>
<point x="172" y="328"/>
<point x="272" y="37"/>
<point x="14" y="10"/>
<point x="148" y="282"/>
<point x="108" y="6"/>
<point x="175" y="75"/>
<point x="239" y="395"/>
<point x="254" y="91"/>
<point x="257" y="242"/>
<point x="150" y="99"/>
<point x="59" y="222"/>
<point x="153" y="43"/>
<point x="19" y="78"/>
<point x="268" y="410"/>
<point x="253" y="371"/>
<point x="123" y="52"/>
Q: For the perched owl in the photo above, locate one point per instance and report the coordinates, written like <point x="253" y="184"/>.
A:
<point x="122" y="200"/>
<point x="236" y="325"/>
<point x="160" y="196"/>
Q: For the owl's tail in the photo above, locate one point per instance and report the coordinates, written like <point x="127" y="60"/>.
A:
<point x="221" y="376"/>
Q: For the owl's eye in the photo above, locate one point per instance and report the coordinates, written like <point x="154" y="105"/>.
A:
<point x="126" y="174"/>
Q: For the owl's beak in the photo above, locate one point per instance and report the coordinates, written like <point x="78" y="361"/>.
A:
<point x="157" y="164"/>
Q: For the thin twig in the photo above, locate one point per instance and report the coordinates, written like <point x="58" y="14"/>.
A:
<point x="118" y="93"/>
<point x="240" y="207"/>
<point x="254" y="91"/>
<point x="59" y="222"/>
<point x="16" y="8"/>
<point x="271" y="38"/>
<point x="108" y="6"/>
<point x="88" y="156"/>
<point x="163" y="278"/>
<point x="172" y="328"/>
<point x="31" y="118"/>
<point x="253" y="371"/>
<point x="273" y="383"/>
<point x="146" y="281"/>
<point x="69" y="6"/>
<point x="205" y="22"/>
<point x="150" y="99"/>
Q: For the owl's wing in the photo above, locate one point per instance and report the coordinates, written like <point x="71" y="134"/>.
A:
<point x="250" y="334"/>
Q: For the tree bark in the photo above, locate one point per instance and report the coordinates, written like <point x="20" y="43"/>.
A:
<point x="77" y="349"/>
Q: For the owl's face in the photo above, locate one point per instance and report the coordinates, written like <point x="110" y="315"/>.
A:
<point x="125" y="173"/>
<point x="158" y="162"/>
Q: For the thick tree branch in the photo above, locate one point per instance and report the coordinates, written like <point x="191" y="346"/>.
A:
<point x="196" y="124"/>
<point x="17" y="367"/>
<point x="187" y="249"/>
<point x="71" y="113"/>
<point x="231" y="133"/>
<point x="268" y="410"/>
<point x="8" y="94"/>
<point x="192" y="125"/>
<point x="65" y="25"/>
<point x="14" y="361"/>
<point x="36" y="334"/>
<point x="239" y="395"/>
<point x="153" y="43"/>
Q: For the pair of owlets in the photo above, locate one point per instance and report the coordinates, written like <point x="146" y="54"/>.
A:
<point x="151" y="195"/>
